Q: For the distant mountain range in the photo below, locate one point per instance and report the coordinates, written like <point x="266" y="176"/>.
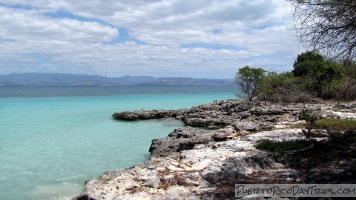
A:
<point x="62" y="79"/>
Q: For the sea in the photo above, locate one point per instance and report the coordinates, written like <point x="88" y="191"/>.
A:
<point x="53" y="139"/>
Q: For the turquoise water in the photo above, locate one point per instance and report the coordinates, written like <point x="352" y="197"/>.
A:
<point x="53" y="139"/>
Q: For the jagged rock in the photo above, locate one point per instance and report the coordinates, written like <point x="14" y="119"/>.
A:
<point x="217" y="114"/>
<point x="243" y="125"/>
<point x="194" y="173"/>
<point x="191" y="163"/>
<point x="227" y="112"/>
<point x="252" y="125"/>
<point x="180" y="139"/>
<point x="218" y="137"/>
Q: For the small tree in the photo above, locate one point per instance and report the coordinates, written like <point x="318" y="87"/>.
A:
<point x="309" y="118"/>
<point x="249" y="80"/>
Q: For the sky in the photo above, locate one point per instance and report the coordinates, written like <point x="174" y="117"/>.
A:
<point x="161" y="38"/>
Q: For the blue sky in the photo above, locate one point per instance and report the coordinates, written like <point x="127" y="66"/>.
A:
<point x="177" y="38"/>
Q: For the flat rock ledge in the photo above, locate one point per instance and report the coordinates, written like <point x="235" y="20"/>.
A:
<point x="150" y="114"/>
<point x="191" y="163"/>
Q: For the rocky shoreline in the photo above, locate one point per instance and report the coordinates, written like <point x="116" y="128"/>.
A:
<point x="194" y="163"/>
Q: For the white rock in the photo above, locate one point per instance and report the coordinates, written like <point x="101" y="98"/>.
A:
<point x="279" y="126"/>
<point x="202" y="164"/>
<point x="277" y="135"/>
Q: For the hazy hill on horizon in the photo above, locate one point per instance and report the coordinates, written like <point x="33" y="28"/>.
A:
<point x="65" y="79"/>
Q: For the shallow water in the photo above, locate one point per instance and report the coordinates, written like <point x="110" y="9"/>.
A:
<point x="52" y="139"/>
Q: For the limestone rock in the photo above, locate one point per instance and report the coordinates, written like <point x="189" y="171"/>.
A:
<point x="153" y="114"/>
<point x="192" y="163"/>
<point x="180" y="139"/>
<point x="277" y="135"/>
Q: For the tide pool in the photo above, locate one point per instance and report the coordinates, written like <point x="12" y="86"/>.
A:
<point x="53" y="140"/>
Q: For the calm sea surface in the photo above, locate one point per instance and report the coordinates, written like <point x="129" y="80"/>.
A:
<point x="52" y="139"/>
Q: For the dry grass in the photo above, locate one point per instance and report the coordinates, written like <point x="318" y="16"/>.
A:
<point x="336" y="124"/>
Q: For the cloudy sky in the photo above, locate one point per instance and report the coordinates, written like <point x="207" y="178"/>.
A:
<point x="177" y="38"/>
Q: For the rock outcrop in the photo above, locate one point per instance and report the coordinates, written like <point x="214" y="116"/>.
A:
<point x="192" y="163"/>
<point x="257" y="115"/>
<point x="192" y="171"/>
<point x="151" y="114"/>
<point x="179" y="140"/>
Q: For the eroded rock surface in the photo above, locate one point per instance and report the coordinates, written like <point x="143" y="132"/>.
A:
<point x="149" y="114"/>
<point x="192" y="163"/>
<point x="191" y="173"/>
<point x="253" y="116"/>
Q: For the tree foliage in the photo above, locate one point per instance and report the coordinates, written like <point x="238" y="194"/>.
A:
<point x="318" y="70"/>
<point x="328" y="26"/>
<point x="307" y="62"/>
<point x="249" y="80"/>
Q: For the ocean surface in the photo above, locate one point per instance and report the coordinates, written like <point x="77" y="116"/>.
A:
<point x="52" y="139"/>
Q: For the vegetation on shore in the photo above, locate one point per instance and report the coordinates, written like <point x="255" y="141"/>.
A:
<point x="327" y="27"/>
<point x="313" y="77"/>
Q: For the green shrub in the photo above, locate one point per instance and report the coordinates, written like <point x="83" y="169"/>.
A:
<point x="283" y="87"/>
<point x="345" y="88"/>
<point x="321" y="72"/>
<point x="307" y="62"/>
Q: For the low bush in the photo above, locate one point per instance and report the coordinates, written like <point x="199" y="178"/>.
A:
<point x="284" y="88"/>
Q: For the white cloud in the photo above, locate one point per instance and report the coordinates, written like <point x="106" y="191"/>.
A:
<point x="256" y="29"/>
<point x="32" y="25"/>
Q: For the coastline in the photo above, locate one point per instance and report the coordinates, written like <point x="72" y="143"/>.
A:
<point x="191" y="163"/>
